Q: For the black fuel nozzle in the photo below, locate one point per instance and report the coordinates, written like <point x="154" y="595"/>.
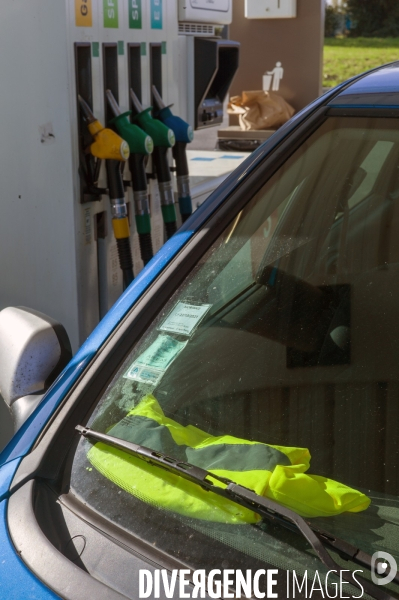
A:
<point x="141" y="146"/>
<point x="163" y="138"/>
<point x="184" y="135"/>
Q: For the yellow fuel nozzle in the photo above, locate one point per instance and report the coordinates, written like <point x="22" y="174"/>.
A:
<point x="107" y="144"/>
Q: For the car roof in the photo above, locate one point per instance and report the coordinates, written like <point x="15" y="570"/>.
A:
<point x="376" y="89"/>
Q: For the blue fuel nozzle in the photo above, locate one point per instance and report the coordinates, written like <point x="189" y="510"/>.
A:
<point x="182" y="130"/>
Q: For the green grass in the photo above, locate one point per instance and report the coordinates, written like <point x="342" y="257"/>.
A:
<point x="345" y="57"/>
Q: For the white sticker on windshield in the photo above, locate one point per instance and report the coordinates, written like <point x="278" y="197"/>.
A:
<point x="184" y="318"/>
<point x="144" y="374"/>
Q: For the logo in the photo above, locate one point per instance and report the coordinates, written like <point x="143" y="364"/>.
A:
<point x="383" y="568"/>
<point x="171" y="137"/>
<point x="190" y="133"/>
<point x="125" y="150"/>
<point x="83" y="13"/>
<point x="274" y="76"/>
<point x="149" y="144"/>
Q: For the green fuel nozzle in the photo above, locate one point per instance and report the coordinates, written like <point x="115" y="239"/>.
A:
<point x="141" y="145"/>
<point x="163" y="138"/>
<point x="184" y="135"/>
<point x="161" y="134"/>
<point x="139" y="141"/>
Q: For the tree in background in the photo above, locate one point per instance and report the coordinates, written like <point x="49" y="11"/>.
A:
<point x="332" y="21"/>
<point x="374" y="18"/>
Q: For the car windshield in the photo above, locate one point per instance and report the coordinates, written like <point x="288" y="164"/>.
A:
<point x="275" y="364"/>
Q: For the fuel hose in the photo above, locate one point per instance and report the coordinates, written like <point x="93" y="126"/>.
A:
<point x="182" y="180"/>
<point x="184" y="135"/>
<point x="163" y="138"/>
<point x="141" y="146"/>
<point x="141" y="205"/>
<point x="120" y="221"/>
<point x="110" y="146"/>
<point x="160" y="158"/>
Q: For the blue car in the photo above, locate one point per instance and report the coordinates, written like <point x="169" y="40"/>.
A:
<point x="231" y="426"/>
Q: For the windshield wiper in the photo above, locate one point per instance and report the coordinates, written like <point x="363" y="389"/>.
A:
<point x="249" y="499"/>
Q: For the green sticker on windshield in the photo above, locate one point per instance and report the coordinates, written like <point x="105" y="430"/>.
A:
<point x="152" y="364"/>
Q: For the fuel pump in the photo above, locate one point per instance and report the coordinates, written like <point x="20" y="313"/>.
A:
<point x="141" y="146"/>
<point x="110" y="146"/>
<point x="163" y="138"/>
<point x="184" y="135"/>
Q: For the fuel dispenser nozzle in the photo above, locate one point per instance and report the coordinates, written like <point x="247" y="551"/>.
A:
<point x="184" y="135"/>
<point x="141" y="146"/>
<point x="163" y="138"/>
<point x="109" y="146"/>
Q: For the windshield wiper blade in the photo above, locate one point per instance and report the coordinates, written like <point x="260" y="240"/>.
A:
<point x="346" y="549"/>
<point x="249" y="499"/>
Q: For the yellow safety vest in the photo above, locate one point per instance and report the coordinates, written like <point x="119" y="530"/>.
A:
<point x="276" y="472"/>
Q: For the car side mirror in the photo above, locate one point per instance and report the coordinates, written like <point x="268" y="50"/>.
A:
<point x="34" y="349"/>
